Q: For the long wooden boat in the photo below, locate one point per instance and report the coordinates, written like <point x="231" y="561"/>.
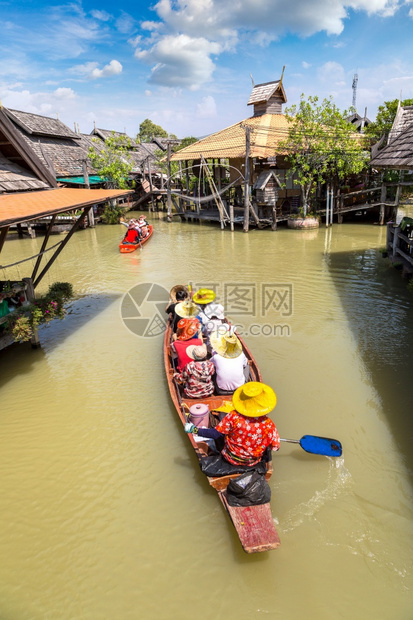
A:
<point x="254" y="524"/>
<point x="127" y="248"/>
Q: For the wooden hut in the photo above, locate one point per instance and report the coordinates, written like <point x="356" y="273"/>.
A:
<point x="247" y="149"/>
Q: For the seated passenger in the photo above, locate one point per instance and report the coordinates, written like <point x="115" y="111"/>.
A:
<point x="186" y="309"/>
<point x="247" y="430"/>
<point x="177" y="294"/>
<point x="132" y="235"/>
<point x="231" y="364"/>
<point x="197" y="374"/>
<point x="187" y="334"/>
<point x="204" y="298"/>
<point x="143" y="225"/>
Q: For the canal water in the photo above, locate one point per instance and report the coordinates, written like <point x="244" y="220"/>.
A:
<point x="104" y="512"/>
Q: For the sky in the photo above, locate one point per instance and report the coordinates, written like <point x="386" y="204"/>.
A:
<point x="188" y="65"/>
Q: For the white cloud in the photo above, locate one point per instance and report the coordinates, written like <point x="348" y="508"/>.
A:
<point x="151" y="25"/>
<point x="125" y="23"/>
<point x="113" y="68"/>
<point x="207" y="107"/>
<point x="180" y="61"/>
<point x="221" y="19"/>
<point x="411" y="13"/>
<point x="64" y="93"/>
<point x="148" y="93"/>
<point x="102" y="16"/>
<point x="85" y="69"/>
<point x="332" y="73"/>
<point x="306" y="65"/>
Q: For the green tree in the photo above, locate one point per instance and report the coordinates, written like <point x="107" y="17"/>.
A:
<point x="384" y="119"/>
<point x="112" y="161"/>
<point x="321" y="146"/>
<point x="148" y="130"/>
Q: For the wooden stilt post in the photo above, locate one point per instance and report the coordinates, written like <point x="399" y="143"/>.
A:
<point x="274" y="218"/>
<point x="3" y="234"/>
<point x="90" y="215"/>
<point x="247" y="179"/>
<point x="383" y="195"/>
<point x="74" y="228"/>
<point x="42" y="249"/>
<point x="20" y="231"/>
<point x="231" y="215"/>
<point x="31" y="297"/>
<point x="151" y="184"/>
<point x="168" y="184"/>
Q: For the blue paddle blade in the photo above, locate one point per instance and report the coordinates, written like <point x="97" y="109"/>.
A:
<point x="321" y="445"/>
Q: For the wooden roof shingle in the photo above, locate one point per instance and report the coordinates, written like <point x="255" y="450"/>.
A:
<point x="36" y="125"/>
<point x="398" y="154"/>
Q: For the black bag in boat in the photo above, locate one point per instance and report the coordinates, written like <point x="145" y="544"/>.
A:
<point x="216" y="465"/>
<point x="249" y="489"/>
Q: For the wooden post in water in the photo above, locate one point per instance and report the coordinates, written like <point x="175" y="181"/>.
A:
<point x="31" y="297"/>
<point x="168" y="184"/>
<point x="274" y="217"/>
<point x="383" y="195"/>
<point x="247" y="179"/>
<point x="231" y="215"/>
<point x="90" y="215"/>
<point x="150" y="184"/>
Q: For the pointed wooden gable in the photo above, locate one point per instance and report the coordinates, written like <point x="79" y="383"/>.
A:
<point x="20" y="168"/>
<point x="268" y="98"/>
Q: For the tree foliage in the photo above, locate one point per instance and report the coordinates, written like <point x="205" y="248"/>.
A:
<point x="384" y="119"/>
<point x="112" y="162"/>
<point x="148" y="130"/>
<point x="321" y="145"/>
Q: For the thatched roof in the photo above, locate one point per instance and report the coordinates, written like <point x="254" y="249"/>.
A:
<point x="266" y="133"/>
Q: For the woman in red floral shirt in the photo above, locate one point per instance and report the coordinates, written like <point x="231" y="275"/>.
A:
<point x="247" y="430"/>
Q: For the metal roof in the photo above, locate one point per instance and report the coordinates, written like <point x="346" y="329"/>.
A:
<point x="17" y="208"/>
<point x="93" y="180"/>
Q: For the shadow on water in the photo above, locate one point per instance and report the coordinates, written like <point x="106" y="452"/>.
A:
<point x="19" y="359"/>
<point x="379" y="309"/>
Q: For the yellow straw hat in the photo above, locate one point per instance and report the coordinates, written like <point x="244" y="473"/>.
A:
<point x="204" y="296"/>
<point x="254" y="399"/>
<point x="227" y="345"/>
<point x="186" y="309"/>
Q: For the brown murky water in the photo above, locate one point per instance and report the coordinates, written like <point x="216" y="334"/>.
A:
<point x="104" y="512"/>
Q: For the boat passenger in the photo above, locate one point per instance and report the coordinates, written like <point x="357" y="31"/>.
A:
<point x="197" y="374"/>
<point x="178" y="294"/>
<point x="205" y="299"/>
<point x="188" y="334"/>
<point x="231" y="363"/>
<point x="186" y="309"/>
<point x="247" y="430"/>
<point x="132" y="235"/>
<point x="143" y="226"/>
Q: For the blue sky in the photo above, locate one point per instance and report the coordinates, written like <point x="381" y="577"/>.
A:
<point x="186" y="64"/>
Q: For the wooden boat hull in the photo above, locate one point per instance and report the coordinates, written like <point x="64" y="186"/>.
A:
<point x="254" y="524"/>
<point x="127" y="248"/>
